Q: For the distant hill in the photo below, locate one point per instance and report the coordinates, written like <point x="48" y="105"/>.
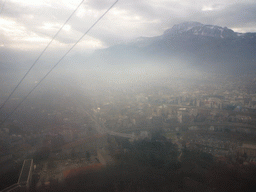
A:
<point x="206" y="47"/>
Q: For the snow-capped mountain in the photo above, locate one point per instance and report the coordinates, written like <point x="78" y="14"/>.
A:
<point x="195" y="28"/>
<point x="207" y="47"/>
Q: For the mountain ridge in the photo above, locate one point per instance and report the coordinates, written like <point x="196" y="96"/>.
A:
<point x="190" y="45"/>
<point x="197" y="28"/>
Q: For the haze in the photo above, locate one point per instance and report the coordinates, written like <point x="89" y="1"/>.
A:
<point x="158" y="96"/>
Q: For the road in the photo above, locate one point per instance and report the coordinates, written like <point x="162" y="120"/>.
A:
<point x="99" y="126"/>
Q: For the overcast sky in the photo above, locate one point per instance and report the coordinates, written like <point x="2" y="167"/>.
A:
<point x="28" y="25"/>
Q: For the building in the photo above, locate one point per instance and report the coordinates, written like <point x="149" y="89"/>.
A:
<point x="248" y="149"/>
<point x="182" y="115"/>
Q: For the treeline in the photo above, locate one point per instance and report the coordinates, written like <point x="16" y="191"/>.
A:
<point x="153" y="165"/>
<point x="122" y="178"/>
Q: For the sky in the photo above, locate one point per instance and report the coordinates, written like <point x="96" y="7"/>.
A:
<point x="27" y="26"/>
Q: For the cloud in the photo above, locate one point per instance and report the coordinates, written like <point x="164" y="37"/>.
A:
<point x="238" y="15"/>
<point x="30" y="24"/>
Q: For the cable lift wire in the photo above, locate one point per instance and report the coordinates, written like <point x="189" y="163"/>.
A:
<point x="8" y="98"/>
<point x="59" y="61"/>
<point x="2" y="7"/>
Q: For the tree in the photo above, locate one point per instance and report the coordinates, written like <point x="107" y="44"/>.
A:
<point x="88" y="155"/>
<point x="42" y="154"/>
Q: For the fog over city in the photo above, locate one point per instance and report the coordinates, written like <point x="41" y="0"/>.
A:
<point x="126" y="95"/>
<point x="28" y="26"/>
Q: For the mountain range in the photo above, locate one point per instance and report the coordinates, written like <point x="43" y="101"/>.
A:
<point x="205" y="47"/>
